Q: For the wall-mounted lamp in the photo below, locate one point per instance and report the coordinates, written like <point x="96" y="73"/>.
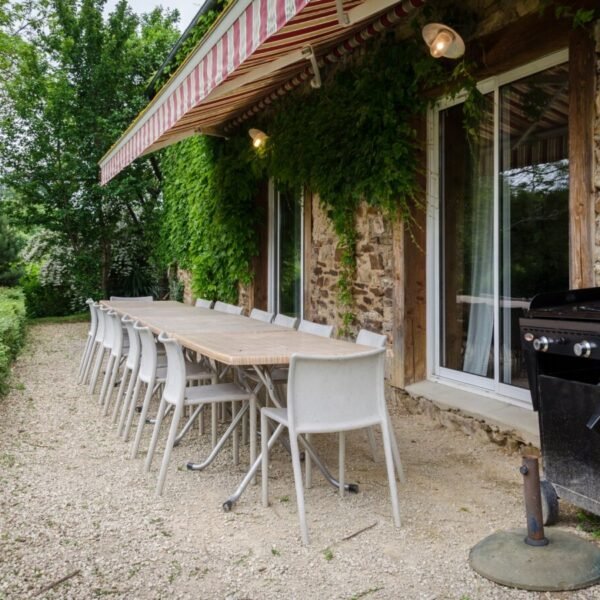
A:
<point x="258" y="137"/>
<point x="443" y="41"/>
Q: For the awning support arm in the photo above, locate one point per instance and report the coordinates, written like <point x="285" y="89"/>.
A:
<point x="343" y="16"/>
<point x="309" y="54"/>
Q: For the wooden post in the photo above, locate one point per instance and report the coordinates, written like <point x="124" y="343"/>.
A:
<point x="582" y="89"/>
<point x="398" y="306"/>
<point x="307" y="251"/>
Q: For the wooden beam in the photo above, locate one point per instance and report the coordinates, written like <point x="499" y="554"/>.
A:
<point x="582" y="90"/>
<point x="307" y="251"/>
<point x="400" y="275"/>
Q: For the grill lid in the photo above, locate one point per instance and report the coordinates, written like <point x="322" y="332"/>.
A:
<point x="582" y="304"/>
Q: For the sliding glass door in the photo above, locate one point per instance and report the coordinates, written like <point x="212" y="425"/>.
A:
<point x="500" y="223"/>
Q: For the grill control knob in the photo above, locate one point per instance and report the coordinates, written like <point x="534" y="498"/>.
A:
<point x="541" y="344"/>
<point x="583" y="349"/>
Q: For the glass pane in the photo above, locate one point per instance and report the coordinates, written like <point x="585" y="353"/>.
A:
<point x="534" y="202"/>
<point x="290" y="253"/>
<point x="467" y="244"/>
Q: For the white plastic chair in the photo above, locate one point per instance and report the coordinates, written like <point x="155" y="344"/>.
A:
<point x="131" y="299"/>
<point x="315" y="328"/>
<point x="261" y="315"/>
<point x="106" y="345"/>
<point x="228" y="308"/>
<point x="89" y="343"/>
<point x="153" y="373"/>
<point x="285" y="321"/>
<point x="118" y="351"/>
<point x="96" y="344"/>
<point x="130" y="373"/>
<point x="176" y="394"/>
<point x="202" y="303"/>
<point x="330" y="394"/>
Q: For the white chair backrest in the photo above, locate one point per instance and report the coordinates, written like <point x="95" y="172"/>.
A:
<point x="261" y="315"/>
<point x="131" y="299"/>
<point x="100" y="318"/>
<point x="368" y="338"/>
<point x="202" y="303"/>
<point x="107" y="328"/>
<point x="228" y="308"/>
<point x="285" y="321"/>
<point x="135" y="349"/>
<point x="316" y="328"/>
<point x="336" y="393"/>
<point x="174" y="389"/>
<point x="149" y="354"/>
<point x="93" y="317"/>
<point x="117" y="333"/>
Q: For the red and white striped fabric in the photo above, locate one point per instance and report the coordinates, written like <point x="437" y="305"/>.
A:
<point x="254" y="50"/>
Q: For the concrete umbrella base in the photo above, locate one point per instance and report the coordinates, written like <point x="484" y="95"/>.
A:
<point x="566" y="563"/>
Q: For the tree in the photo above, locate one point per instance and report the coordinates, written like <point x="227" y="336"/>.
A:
<point x="76" y="82"/>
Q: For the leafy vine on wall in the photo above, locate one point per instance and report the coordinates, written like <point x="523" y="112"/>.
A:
<point x="352" y="140"/>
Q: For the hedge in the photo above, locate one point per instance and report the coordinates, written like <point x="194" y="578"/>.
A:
<point x="12" y="330"/>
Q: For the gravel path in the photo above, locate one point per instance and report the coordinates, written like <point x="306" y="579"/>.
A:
<point x="72" y="502"/>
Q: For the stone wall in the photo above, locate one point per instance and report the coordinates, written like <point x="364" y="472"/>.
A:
<point x="373" y="285"/>
<point x="186" y="278"/>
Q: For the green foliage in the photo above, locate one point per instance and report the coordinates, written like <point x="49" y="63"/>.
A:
<point x="43" y="300"/>
<point x="580" y="17"/>
<point x="209" y="214"/>
<point x="74" y="83"/>
<point x="12" y="330"/>
<point x="10" y="244"/>
<point x="204" y="24"/>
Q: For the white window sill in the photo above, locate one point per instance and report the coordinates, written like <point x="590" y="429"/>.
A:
<point x="491" y="410"/>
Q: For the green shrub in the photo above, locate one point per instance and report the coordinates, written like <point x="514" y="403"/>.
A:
<point x="12" y="330"/>
<point x="43" y="300"/>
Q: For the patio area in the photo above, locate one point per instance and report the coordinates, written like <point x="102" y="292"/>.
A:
<point x="73" y="505"/>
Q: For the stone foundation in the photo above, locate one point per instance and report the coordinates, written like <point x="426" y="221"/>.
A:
<point x="454" y="419"/>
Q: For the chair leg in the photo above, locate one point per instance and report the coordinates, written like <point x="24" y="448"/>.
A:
<point x="235" y="436"/>
<point x="96" y="371"/>
<point x="252" y="419"/>
<point x="168" y="448"/>
<point x="130" y="408"/>
<point x="159" y="417"/>
<point x="213" y="424"/>
<point x="308" y="465"/>
<point x="90" y="361"/>
<point x="264" y="449"/>
<point x="299" y="491"/>
<point x="396" y="453"/>
<point x="107" y="375"/>
<point x="111" y="385"/>
<point x="119" y="399"/>
<point x="84" y="357"/>
<point x="142" y="420"/>
<point x="389" y="464"/>
<point x="341" y="461"/>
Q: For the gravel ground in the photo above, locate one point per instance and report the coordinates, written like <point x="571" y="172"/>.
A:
<point x="72" y="502"/>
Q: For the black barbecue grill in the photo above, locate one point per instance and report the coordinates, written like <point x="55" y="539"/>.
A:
<point x="561" y="343"/>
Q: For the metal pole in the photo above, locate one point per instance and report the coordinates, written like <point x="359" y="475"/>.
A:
<point x="533" y="501"/>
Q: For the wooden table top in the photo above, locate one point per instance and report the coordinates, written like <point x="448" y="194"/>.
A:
<point x="230" y="339"/>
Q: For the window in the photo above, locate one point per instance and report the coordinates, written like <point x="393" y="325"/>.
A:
<point x="286" y="251"/>
<point x="500" y="223"/>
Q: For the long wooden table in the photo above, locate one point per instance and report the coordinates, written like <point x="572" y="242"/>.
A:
<point x="237" y="341"/>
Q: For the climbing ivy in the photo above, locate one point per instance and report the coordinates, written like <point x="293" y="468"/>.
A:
<point x="352" y="140"/>
<point x="210" y="219"/>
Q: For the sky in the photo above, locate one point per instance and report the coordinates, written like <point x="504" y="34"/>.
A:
<point x="187" y="8"/>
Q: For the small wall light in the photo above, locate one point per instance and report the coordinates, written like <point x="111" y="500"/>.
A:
<point x="443" y="41"/>
<point x="258" y="137"/>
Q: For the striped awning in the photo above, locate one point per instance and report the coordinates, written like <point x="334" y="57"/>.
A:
<point x="254" y="50"/>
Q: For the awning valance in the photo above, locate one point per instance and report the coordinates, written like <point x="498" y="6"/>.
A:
<point x="255" y="48"/>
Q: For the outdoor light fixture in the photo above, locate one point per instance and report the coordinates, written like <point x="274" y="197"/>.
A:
<point x="258" y="137"/>
<point x="443" y="41"/>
